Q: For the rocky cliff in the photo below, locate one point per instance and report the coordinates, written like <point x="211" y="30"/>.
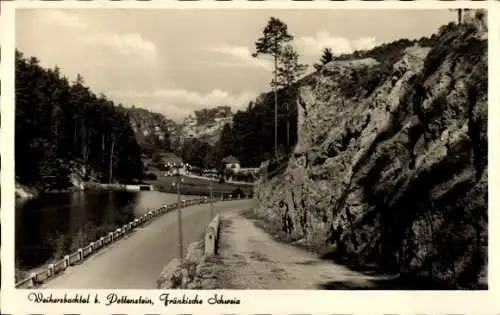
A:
<point x="152" y="130"/>
<point x="395" y="175"/>
<point x="206" y="124"/>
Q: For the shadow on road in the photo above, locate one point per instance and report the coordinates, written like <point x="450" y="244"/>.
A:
<point x="384" y="282"/>
<point x="387" y="283"/>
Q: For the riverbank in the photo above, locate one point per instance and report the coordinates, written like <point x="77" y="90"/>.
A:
<point x="200" y="187"/>
<point x="81" y="238"/>
<point x="208" y="179"/>
<point x="73" y="220"/>
<point x="24" y="192"/>
<point x="135" y="262"/>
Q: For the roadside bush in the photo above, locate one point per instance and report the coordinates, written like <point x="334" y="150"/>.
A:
<point x="237" y="192"/>
<point x="150" y="176"/>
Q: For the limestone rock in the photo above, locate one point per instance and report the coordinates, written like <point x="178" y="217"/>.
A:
<point x="170" y="276"/>
<point x="398" y="178"/>
<point x="194" y="252"/>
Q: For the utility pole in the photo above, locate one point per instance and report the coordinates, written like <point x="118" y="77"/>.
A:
<point x="275" y="113"/>
<point x="211" y="199"/>
<point x="110" y="160"/>
<point x="287" y="125"/>
<point x="179" y="216"/>
<point x="275" y="88"/>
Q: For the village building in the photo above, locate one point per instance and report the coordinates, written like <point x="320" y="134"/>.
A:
<point x="172" y="162"/>
<point x="231" y="162"/>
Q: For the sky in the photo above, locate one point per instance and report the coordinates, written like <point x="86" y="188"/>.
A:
<point x="175" y="61"/>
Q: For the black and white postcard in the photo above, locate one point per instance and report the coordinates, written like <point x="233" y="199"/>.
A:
<point x="231" y="157"/>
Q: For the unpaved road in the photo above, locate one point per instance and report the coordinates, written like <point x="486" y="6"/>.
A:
<point x="251" y="259"/>
<point x="135" y="262"/>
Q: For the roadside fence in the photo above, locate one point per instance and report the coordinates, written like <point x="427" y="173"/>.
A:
<point x="54" y="269"/>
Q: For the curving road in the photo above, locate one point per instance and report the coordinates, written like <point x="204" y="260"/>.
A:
<point x="135" y="262"/>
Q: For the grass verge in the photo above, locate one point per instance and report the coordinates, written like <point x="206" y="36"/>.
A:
<point x="195" y="186"/>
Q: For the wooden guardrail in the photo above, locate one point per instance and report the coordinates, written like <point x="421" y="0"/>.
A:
<point x="56" y="268"/>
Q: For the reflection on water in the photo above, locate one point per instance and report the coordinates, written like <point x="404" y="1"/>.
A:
<point x="52" y="226"/>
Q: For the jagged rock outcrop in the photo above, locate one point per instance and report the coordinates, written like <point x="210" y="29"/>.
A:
<point x="207" y="124"/>
<point x="396" y="178"/>
<point x="152" y="130"/>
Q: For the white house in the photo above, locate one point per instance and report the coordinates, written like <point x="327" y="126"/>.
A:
<point x="231" y="162"/>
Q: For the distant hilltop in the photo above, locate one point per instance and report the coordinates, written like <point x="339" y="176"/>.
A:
<point x="207" y="124"/>
<point x="151" y="128"/>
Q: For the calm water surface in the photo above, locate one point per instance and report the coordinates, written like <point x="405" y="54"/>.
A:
<point x="52" y="226"/>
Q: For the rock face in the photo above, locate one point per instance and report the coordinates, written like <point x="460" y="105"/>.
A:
<point x="183" y="274"/>
<point x="396" y="177"/>
<point x="207" y="124"/>
<point x="150" y="129"/>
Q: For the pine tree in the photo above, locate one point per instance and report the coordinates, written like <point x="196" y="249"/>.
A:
<point x="289" y="69"/>
<point x="460" y="13"/>
<point x="63" y="127"/>
<point x="275" y="35"/>
<point x="327" y="56"/>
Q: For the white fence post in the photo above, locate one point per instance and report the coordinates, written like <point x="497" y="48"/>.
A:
<point x="33" y="279"/>
<point x="80" y="254"/>
<point x="51" y="270"/>
<point x="66" y="261"/>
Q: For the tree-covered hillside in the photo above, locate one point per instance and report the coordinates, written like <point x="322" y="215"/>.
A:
<point x="63" y="127"/>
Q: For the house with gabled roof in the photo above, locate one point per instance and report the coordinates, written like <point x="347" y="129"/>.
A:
<point x="231" y="162"/>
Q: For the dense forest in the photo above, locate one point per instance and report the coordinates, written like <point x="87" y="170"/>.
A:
<point x="251" y="139"/>
<point x="63" y="128"/>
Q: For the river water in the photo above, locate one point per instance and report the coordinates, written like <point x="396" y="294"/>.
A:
<point x="52" y="226"/>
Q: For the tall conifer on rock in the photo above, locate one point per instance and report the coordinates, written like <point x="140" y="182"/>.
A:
<point x="275" y="36"/>
<point x="327" y="56"/>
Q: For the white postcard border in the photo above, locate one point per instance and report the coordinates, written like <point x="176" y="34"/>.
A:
<point x="257" y="301"/>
